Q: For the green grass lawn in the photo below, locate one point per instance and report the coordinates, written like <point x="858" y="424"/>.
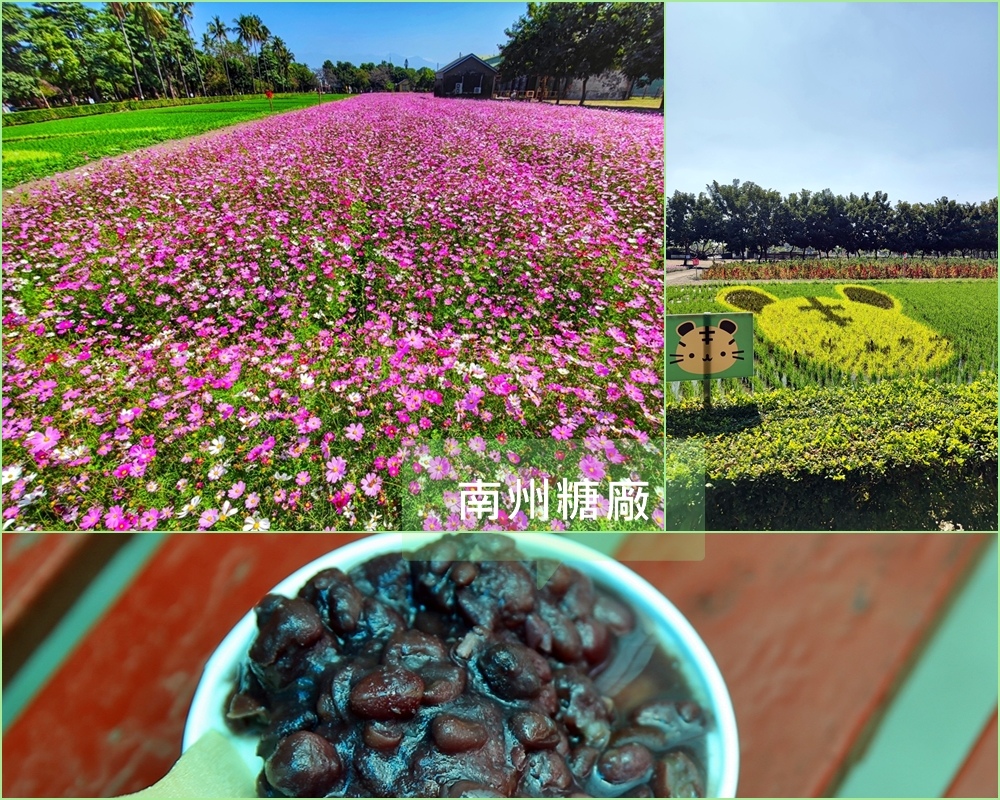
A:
<point x="45" y="148"/>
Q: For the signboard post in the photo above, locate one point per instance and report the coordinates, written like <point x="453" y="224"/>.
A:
<point x="706" y="346"/>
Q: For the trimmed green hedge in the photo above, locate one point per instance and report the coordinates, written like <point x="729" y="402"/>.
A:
<point x="905" y="454"/>
<point x="88" y="110"/>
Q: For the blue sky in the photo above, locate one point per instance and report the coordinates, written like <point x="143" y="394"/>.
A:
<point x="896" y="97"/>
<point x="359" y="32"/>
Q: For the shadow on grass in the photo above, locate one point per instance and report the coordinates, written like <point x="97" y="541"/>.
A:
<point x="686" y="422"/>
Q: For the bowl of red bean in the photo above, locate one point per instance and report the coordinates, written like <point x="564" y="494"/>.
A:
<point x="470" y="665"/>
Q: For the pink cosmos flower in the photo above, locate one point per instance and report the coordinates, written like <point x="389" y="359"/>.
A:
<point x="236" y="491"/>
<point x="302" y="478"/>
<point x="592" y="468"/>
<point x="432" y="523"/>
<point x="91" y="518"/>
<point x="439" y="468"/>
<point x="562" y="432"/>
<point x="370" y="484"/>
<point x="355" y="432"/>
<point x="115" y="519"/>
<point x="335" y="469"/>
<point x="43" y="442"/>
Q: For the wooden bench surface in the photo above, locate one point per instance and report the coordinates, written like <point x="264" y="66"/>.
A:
<point x="813" y="634"/>
<point x="978" y="775"/>
<point x="43" y="575"/>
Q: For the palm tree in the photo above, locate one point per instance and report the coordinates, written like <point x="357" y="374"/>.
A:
<point x="169" y="37"/>
<point x="218" y="31"/>
<point x="263" y="35"/>
<point x="119" y="11"/>
<point x="283" y="56"/>
<point x="245" y="34"/>
<point x="152" y="24"/>
<point x="185" y="13"/>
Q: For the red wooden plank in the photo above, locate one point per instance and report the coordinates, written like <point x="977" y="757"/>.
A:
<point x="43" y="576"/>
<point x="111" y="718"/>
<point x="31" y="563"/>
<point x="978" y="775"/>
<point x="813" y="633"/>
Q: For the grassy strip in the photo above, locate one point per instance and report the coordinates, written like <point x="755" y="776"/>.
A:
<point x="45" y="148"/>
<point x="88" y="110"/>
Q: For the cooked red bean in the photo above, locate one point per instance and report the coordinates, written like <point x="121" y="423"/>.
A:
<point x="304" y="765"/>
<point x="456" y="735"/>
<point x="677" y="775"/>
<point x="514" y="671"/>
<point x="382" y="734"/>
<point x="535" y="731"/>
<point x="629" y="763"/>
<point x="387" y="693"/>
<point x="450" y="673"/>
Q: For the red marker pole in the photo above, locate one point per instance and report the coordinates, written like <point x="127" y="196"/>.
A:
<point x="269" y="94"/>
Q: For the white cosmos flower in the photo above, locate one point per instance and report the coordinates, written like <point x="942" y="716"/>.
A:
<point x="257" y="524"/>
<point x="282" y="476"/>
<point x="189" y="506"/>
<point x="373" y="523"/>
<point x="10" y="473"/>
<point x="226" y="511"/>
<point x="216" y="472"/>
<point x="216" y="446"/>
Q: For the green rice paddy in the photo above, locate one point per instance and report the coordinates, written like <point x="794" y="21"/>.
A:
<point x="45" y="148"/>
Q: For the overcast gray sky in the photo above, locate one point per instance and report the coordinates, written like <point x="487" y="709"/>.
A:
<point x="855" y="97"/>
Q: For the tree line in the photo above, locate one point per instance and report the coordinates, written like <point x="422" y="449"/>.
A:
<point x="345" y="77"/>
<point x="566" y="41"/>
<point x="67" y="53"/>
<point x="749" y="221"/>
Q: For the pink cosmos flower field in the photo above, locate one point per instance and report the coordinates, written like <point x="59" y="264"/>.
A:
<point x="294" y="325"/>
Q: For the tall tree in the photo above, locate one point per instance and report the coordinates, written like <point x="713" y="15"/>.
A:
<point x="595" y="43"/>
<point x="284" y="57"/>
<point x="642" y="34"/>
<point x="184" y="12"/>
<point x="120" y="11"/>
<point x="152" y="24"/>
<point x="246" y="33"/>
<point x="219" y="33"/>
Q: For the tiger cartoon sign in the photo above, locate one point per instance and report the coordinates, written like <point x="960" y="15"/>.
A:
<point x="703" y="346"/>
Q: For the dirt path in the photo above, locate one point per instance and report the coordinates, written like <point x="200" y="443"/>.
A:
<point x="81" y="173"/>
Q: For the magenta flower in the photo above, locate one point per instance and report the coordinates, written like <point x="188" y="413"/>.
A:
<point x="43" y="442"/>
<point x="115" y="519"/>
<point x="91" y="518"/>
<point x="370" y="484"/>
<point x="592" y="468"/>
<point x="302" y="478"/>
